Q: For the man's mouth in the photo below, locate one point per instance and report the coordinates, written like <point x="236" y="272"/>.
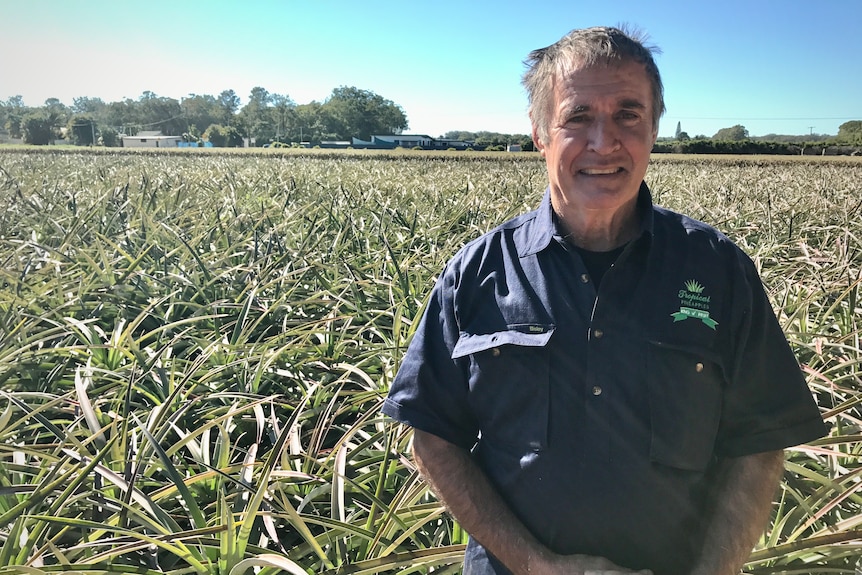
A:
<point x="600" y="171"/>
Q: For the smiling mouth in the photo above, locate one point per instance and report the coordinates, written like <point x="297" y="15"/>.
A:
<point x="600" y="171"/>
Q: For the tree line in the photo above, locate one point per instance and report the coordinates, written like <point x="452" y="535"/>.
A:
<point x="737" y="140"/>
<point x="266" y="117"/>
<point x="346" y="113"/>
<point x="491" y="141"/>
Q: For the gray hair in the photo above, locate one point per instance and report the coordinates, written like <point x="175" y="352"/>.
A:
<point x="585" y="48"/>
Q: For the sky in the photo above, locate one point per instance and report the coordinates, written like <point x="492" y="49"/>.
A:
<point x="782" y="66"/>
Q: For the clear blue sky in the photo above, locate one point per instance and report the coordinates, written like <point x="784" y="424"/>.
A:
<point x="784" y="66"/>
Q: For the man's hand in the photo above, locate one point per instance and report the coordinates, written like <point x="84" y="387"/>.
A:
<point x="478" y="507"/>
<point x="582" y="565"/>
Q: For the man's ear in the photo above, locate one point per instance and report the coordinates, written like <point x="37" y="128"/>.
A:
<point x="537" y="141"/>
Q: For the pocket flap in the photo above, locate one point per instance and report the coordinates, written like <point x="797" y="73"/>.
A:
<point x="693" y="351"/>
<point x="521" y="335"/>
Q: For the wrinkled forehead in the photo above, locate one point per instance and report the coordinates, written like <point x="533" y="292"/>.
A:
<point x="628" y="71"/>
<point x="612" y="73"/>
<point x="568" y="66"/>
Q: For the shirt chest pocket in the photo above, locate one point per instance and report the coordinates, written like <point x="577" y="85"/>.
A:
<point x="509" y="385"/>
<point x="685" y="398"/>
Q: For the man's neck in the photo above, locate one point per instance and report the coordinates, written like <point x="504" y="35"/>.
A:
<point x="599" y="230"/>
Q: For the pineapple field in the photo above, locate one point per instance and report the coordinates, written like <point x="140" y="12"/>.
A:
<point x="194" y="348"/>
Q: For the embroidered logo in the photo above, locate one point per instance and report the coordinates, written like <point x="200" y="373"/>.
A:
<point x="692" y="303"/>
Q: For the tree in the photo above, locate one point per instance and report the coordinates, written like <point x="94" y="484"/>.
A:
<point x="56" y="108"/>
<point x="309" y="123"/>
<point x="15" y="102"/>
<point x="199" y="112"/>
<point x="57" y="114"/>
<point x="161" y="113"/>
<point x="678" y="130"/>
<point x="460" y="135"/>
<point x="228" y="103"/>
<point x="38" y="129"/>
<point x="123" y="115"/>
<point x="488" y="139"/>
<point x="361" y="113"/>
<point x="149" y="112"/>
<point x="108" y="137"/>
<point x="214" y="134"/>
<point x="283" y="115"/>
<point x="223" y="136"/>
<point x="734" y="133"/>
<point x="850" y="132"/>
<point x="82" y="129"/>
<point x="85" y="105"/>
<point x="526" y="142"/>
<point x="12" y="113"/>
<point x="266" y="116"/>
<point x="482" y="139"/>
<point x="255" y="117"/>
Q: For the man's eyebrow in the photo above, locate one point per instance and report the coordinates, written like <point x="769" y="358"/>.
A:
<point x="579" y="109"/>
<point x="627" y="103"/>
<point x="631" y="103"/>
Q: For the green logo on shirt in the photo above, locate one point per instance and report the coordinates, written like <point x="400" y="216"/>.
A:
<point x="692" y="303"/>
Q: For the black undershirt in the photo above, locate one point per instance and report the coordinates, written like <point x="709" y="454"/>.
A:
<point x="598" y="263"/>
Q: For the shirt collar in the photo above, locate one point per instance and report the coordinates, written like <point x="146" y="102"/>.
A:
<point x="538" y="235"/>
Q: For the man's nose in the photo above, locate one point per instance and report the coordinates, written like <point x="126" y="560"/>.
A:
<point x="604" y="136"/>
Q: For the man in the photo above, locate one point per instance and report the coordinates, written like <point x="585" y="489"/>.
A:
<point x="601" y="386"/>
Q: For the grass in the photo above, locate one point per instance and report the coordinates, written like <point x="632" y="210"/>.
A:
<point x="194" y="348"/>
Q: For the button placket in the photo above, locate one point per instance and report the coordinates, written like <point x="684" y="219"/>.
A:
<point x="596" y="390"/>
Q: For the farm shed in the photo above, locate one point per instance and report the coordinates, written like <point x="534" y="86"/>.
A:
<point x="446" y="143"/>
<point x="404" y="140"/>
<point x="151" y="140"/>
<point x="335" y="144"/>
<point x="390" y="141"/>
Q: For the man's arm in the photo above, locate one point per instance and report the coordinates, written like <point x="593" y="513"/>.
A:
<point x="478" y="507"/>
<point x="741" y="506"/>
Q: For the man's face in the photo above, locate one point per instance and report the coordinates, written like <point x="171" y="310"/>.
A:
<point x="600" y="135"/>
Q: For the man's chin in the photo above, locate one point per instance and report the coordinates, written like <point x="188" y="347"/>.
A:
<point x="615" y="189"/>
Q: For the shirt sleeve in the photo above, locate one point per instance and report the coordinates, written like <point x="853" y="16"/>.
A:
<point x="768" y="405"/>
<point x="430" y="390"/>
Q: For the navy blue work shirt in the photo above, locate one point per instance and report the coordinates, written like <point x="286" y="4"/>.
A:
<point x="599" y="415"/>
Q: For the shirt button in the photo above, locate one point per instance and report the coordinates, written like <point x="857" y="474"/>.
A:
<point x="598" y="333"/>
<point x="597" y="390"/>
<point x="698" y="367"/>
<point x="495" y="352"/>
<point x="585" y="278"/>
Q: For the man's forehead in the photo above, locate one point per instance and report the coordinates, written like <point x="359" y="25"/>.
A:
<point x="569" y="67"/>
<point x="628" y="80"/>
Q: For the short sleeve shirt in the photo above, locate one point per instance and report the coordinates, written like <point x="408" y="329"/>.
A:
<point x="599" y="414"/>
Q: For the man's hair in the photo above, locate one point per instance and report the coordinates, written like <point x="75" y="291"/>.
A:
<point x="585" y="48"/>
